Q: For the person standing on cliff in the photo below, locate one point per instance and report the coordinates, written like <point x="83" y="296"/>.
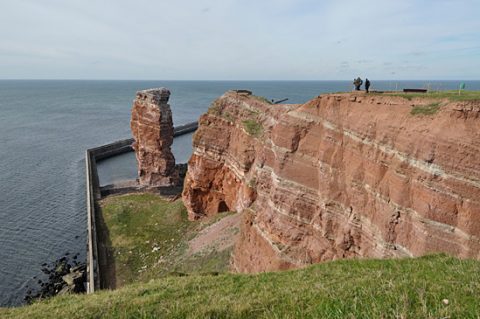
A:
<point x="367" y="85"/>
<point x="357" y="83"/>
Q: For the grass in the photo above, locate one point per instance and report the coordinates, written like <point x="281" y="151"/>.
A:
<point x="429" y="109"/>
<point x="252" y="127"/>
<point x="451" y="95"/>
<point x="229" y="117"/>
<point x="149" y="238"/>
<point x="262" y="99"/>
<point x="215" y="107"/>
<point x="405" y="288"/>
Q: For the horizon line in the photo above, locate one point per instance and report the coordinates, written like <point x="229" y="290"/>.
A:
<point x="221" y="80"/>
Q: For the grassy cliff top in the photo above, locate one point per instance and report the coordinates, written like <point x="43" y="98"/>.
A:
<point x="451" y="95"/>
<point x="429" y="287"/>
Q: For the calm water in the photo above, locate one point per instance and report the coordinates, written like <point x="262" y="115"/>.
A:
<point x="124" y="167"/>
<point x="45" y="127"/>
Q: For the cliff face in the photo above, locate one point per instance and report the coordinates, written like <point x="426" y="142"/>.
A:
<point x="342" y="176"/>
<point x="152" y="129"/>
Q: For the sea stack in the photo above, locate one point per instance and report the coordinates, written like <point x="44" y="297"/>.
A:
<point x="152" y="129"/>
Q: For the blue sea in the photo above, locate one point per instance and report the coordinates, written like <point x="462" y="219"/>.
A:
<point x="45" y="128"/>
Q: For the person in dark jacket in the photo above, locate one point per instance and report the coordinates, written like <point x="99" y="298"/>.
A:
<point x="357" y="83"/>
<point x="367" y="85"/>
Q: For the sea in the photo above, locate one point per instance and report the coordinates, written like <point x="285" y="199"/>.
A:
<point x="45" y="128"/>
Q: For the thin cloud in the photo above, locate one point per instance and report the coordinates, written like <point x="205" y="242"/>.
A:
<point x="233" y="39"/>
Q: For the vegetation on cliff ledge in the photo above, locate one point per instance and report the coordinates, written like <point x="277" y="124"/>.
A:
<point x="429" y="109"/>
<point x="215" y="107"/>
<point x="149" y="238"/>
<point x="253" y="127"/>
<point x="451" y="95"/>
<point x="262" y="99"/>
<point x="430" y="287"/>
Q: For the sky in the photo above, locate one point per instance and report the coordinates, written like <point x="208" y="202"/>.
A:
<point x="240" y="39"/>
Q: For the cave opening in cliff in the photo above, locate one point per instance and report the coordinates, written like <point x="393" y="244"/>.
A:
<point x="223" y="207"/>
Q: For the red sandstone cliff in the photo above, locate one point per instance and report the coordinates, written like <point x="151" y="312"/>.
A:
<point x="342" y="176"/>
<point x="152" y="129"/>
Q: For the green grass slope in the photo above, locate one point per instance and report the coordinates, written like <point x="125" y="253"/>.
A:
<point x="405" y="288"/>
<point x="148" y="238"/>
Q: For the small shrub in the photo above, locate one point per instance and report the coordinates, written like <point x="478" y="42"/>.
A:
<point x="429" y="109"/>
<point x="253" y="128"/>
<point x="252" y="183"/>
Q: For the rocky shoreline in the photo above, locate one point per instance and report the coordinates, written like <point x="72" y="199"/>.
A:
<point x="65" y="275"/>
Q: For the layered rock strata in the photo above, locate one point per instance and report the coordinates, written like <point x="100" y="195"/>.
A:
<point x="152" y="128"/>
<point x="342" y="176"/>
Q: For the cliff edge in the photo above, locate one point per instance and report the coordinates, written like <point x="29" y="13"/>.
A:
<point x="341" y="176"/>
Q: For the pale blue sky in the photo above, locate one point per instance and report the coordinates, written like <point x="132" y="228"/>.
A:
<point x="240" y="39"/>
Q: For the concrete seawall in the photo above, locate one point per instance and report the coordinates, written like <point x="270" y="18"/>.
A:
<point x="94" y="194"/>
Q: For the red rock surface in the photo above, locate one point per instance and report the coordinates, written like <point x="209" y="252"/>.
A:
<point x="342" y="176"/>
<point x="152" y="129"/>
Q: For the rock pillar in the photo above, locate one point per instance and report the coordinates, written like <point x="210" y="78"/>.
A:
<point x="152" y="129"/>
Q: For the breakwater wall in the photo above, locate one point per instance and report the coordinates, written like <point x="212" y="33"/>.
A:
<point x="93" y="194"/>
